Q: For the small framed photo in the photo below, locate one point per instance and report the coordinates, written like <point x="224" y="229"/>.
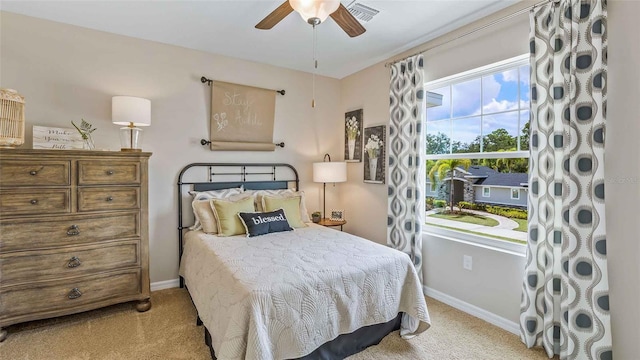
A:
<point x="337" y="215"/>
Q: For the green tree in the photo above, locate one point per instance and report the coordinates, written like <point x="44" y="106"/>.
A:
<point x="498" y="140"/>
<point x="505" y="164"/>
<point x="438" y="144"/>
<point x="524" y="137"/>
<point x="447" y="166"/>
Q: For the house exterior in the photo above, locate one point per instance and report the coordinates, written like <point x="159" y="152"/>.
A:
<point x="482" y="184"/>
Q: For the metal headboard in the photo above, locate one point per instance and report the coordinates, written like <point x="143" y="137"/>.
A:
<point x="217" y="176"/>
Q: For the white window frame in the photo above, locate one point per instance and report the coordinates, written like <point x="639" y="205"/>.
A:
<point x="517" y="192"/>
<point x="473" y="239"/>
<point x="486" y="193"/>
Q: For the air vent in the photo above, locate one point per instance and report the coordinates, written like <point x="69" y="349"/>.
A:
<point x="362" y="12"/>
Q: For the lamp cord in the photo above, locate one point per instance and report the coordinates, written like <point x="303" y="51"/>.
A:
<point x="315" y="68"/>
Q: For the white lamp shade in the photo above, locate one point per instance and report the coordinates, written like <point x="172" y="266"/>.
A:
<point x="320" y="9"/>
<point x="330" y="172"/>
<point x="128" y="109"/>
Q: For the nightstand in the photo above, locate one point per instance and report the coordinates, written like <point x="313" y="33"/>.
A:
<point x="329" y="222"/>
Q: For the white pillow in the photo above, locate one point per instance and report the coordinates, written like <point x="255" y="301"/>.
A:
<point x="202" y="208"/>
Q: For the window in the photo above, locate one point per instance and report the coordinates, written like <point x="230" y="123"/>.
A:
<point x="515" y="194"/>
<point x="477" y="153"/>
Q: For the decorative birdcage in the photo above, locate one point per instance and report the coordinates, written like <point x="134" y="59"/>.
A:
<point x="11" y="118"/>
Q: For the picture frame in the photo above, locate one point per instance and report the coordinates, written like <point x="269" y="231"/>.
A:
<point x="353" y="135"/>
<point x="375" y="154"/>
<point x="337" y="215"/>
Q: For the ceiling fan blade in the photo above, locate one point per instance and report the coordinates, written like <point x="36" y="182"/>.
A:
<point x="275" y="17"/>
<point x="347" y="22"/>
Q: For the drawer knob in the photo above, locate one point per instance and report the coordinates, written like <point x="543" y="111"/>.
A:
<point x="109" y="172"/>
<point x="34" y="202"/>
<point x="74" y="262"/>
<point x="35" y="172"/>
<point x="110" y="198"/>
<point x="74" y="293"/>
<point x="73" y="230"/>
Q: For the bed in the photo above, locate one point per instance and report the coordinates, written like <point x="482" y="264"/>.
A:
<point x="311" y="293"/>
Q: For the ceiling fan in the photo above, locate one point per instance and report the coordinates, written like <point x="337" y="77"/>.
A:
<point x="314" y="12"/>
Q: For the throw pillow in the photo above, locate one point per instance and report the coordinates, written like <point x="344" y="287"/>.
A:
<point x="290" y="205"/>
<point x="257" y="224"/>
<point x="226" y="214"/>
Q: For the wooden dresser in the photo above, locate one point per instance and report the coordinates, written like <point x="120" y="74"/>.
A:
<point x="73" y="232"/>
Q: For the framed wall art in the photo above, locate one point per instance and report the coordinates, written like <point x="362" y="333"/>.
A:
<point x="374" y="154"/>
<point x="353" y="136"/>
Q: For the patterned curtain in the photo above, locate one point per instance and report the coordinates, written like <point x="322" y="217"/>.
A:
<point x="565" y="300"/>
<point x="406" y="159"/>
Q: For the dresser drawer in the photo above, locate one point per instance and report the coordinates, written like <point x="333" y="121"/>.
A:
<point x="34" y="201"/>
<point x="34" y="173"/>
<point x="56" y="231"/>
<point x="56" y="295"/>
<point x="108" y="172"/>
<point x="30" y="266"/>
<point x="108" y="198"/>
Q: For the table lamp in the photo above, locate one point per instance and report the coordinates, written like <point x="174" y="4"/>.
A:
<point x="131" y="112"/>
<point x="328" y="172"/>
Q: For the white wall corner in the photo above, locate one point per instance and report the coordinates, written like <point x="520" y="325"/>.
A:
<point x="470" y="309"/>
<point x="167" y="284"/>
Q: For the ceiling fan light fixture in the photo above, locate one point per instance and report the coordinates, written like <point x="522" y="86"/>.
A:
<point x="314" y="11"/>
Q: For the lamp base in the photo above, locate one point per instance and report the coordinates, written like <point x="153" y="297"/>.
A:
<point x="130" y="138"/>
<point x="130" y="150"/>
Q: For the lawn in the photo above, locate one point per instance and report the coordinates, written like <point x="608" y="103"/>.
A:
<point x="469" y="218"/>
<point x="522" y="225"/>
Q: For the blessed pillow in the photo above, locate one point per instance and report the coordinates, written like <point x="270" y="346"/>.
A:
<point x="202" y="211"/>
<point x="226" y="214"/>
<point x="257" y="224"/>
<point x="290" y="205"/>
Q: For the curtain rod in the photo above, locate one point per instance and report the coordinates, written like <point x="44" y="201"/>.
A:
<point x="494" y="22"/>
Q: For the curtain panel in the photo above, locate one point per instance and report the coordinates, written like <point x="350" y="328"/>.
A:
<point x="406" y="203"/>
<point x="565" y="299"/>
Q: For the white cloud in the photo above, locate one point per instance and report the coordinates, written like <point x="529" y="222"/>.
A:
<point x="511" y="75"/>
<point x="498" y="106"/>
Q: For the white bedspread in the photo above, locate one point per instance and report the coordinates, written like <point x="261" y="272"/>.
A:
<point x="282" y="295"/>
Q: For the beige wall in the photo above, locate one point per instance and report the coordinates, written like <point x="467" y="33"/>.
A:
<point x="68" y="73"/>
<point x="494" y="284"/>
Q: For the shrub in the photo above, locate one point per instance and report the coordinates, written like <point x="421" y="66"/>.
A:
<point x="507" y="212"/>
<point x="439" y="203"/>
<point x="465" y="205"/>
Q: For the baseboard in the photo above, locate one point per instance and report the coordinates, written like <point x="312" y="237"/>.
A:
<point x="480" y="313"/>
<point x="167" y="284"/>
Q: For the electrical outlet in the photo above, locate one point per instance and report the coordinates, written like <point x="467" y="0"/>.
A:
<point x="467" y="262"/>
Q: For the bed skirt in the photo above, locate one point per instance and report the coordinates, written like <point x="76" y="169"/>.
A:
<point x="344" y="345"/>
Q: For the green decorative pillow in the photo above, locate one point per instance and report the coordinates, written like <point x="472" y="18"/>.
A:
<point x="226" y="213"/>
<point x="290" y="205"/>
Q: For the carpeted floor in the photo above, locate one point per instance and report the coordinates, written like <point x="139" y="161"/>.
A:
<point x="168" y="331"/>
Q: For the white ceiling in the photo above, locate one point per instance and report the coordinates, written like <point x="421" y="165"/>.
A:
<point x="226" y="27"/>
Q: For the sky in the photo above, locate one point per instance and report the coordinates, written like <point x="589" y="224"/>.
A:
<point x="481" y="103"/>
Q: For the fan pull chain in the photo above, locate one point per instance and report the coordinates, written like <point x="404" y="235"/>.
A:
<point x="315" y="68"/>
